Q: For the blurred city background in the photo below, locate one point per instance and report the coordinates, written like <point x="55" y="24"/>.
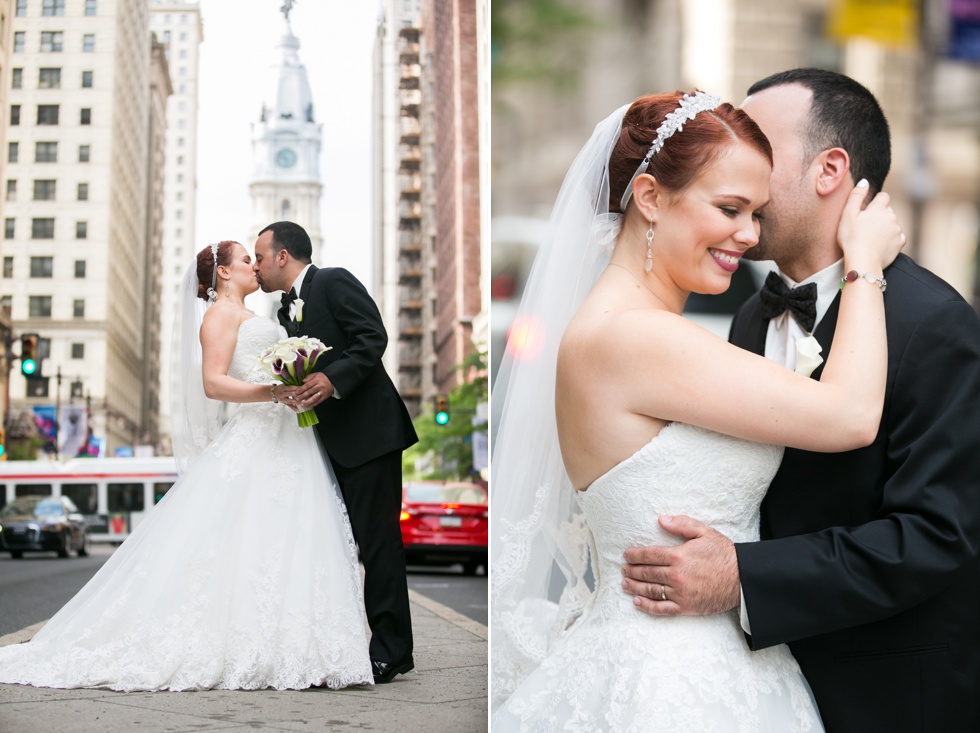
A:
<point x="560" y="66"/>
<point x="135" y="132"/>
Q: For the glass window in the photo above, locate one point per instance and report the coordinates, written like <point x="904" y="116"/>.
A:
<point x="42" y="266"/>
<point x="159" y="491"/>
<point x="12" y="189"/>
<point x="89" y="7"/>
<point x="166" y="37"/>
<point x="84" y="151"/>
<point x="81" y="230"/>
<point x="46" y="152"/>
<point x="84" y="496"/>
<point x="53" y="7"/>
<point x="39" y="306"/>
<point x="12" y="152"/>
<point x="44" y="190"/>
<point x="78" y="351"/>
<point x="52" y="41"/>
<point x="80" y="269"/>
<point x="15" y="114"/>
<point x="83" y="192"/>
<point x="87" y="77"/>
<point x="183" y="35"/>
<point x="8" y="267"/>
<point x="36" y="388"/>
<point x="86" y="118"/>
<point x="8" y="228"/>
<point x="6" y="303"/>
<point x="49" y="78"/>
<point x="19" y="42"/>
<point x="42" y="228"/>
<point x="125" y="497"/>
<point x="78" y="308"/>
<point x="88" y="42"/>
<point x="17" y="79"/>
<point x="21" y="8"/>
<point x="47" y="114"/>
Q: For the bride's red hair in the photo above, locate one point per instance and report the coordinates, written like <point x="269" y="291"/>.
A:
<point x="685" y="153"/>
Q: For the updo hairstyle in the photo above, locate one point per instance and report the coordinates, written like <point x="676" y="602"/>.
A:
<point x="206" y="266"/>
<point x="685" y="153"/>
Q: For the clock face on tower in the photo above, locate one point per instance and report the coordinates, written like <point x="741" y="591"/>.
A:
<point x="285" y="158"/>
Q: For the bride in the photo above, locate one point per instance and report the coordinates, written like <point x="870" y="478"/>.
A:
<point x="245" y="575"/>
<point x="628" y="411"/>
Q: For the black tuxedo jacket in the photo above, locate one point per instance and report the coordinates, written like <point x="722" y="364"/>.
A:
<point x="868" y="560"/>
<point x="370" y="419"/>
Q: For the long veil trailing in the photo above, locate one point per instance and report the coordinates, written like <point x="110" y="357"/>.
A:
<point x="195" y="419"/>
<point x="540" y="552"/>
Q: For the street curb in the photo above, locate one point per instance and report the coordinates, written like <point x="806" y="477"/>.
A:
<point x="447" y="614"/>
<point x="444" y="612"/>
<point x="25" y="634"/>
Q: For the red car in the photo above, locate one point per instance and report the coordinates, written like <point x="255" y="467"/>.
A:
<point x="444" y="523"/>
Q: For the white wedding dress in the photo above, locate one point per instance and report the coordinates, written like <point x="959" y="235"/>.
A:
<point x="618" y="669"/>
<point x="244" y="576"/>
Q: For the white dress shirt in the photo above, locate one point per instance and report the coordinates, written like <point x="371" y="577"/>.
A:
<point x="781" y="338"/>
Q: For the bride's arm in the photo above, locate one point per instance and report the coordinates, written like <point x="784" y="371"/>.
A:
<point x="689" y="375"/>
<point x="219" y="335"/>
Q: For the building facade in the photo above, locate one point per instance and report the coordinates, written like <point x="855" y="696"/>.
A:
<point x="399" y="261"/>
<point x="178" y="27"/>
<point x="76" y="187"/>
<point x="6" y="328"/>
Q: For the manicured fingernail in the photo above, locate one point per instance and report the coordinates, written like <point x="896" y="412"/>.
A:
<point x="626" y="585"/>
<point x="667" y="518"/>
<point x="863" y="183"/>
<point x="636" y="600"/>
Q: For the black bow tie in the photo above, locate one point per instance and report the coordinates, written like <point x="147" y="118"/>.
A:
<point x="777" y="298"/>
<point x="288" y="298"/>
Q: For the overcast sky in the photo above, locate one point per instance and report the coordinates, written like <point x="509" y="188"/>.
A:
<point x="336" y="45"/>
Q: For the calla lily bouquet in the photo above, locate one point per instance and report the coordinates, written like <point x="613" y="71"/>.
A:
<point x="289" y="361"/>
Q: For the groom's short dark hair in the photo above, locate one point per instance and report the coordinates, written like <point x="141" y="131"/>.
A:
<point x="291" y="237"/>
<point x="843" y="114"/>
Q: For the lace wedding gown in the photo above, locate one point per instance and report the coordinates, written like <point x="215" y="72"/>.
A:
<point x="618" y="669"/>
<point x="244" y="576"/>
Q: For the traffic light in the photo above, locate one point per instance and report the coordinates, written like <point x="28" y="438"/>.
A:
<point x="3" y="444"/>
<point x="442" y="409"/>
<point x="28" y="354"/>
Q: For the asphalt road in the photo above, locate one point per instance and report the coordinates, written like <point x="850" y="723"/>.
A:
<point x="34" y="588"/>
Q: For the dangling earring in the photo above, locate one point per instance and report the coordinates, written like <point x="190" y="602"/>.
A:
<point x="227" y="289"/>
<point x="648" y="265"/>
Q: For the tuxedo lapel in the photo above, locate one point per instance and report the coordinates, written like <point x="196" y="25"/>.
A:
<point x="304" y="289"/>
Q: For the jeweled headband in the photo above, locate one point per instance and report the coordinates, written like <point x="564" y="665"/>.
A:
<point x="212" y="293"/>
<point x="687" y="109"/>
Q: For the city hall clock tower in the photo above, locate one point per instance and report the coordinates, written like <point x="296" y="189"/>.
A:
<point x="286" y="140"/>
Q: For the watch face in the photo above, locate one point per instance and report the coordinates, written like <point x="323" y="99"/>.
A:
<point x="285" y="158"/>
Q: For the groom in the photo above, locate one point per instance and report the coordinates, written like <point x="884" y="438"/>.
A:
<point x="363" y="426"/>
<point x="868" y="564"/>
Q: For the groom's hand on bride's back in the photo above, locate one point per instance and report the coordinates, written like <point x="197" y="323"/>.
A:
<point x="696" y="578"/>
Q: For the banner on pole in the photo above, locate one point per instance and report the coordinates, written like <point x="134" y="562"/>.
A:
<point x="890" y="22"/>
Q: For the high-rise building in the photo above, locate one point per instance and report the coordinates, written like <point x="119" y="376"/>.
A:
<point x="6" y="42"/>
<point x="398" y="207"/>
<point x="450" y="101"/>
<point x="75" y="221"/>
<point x="177" y="25"/>
<point x="286" y="142"/>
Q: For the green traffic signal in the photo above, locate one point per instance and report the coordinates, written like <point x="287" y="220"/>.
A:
<point x="28" y="367"/>
<point x="28" y="354"/>
<point x="442" y="418"/>
<point x="442" y="409"/>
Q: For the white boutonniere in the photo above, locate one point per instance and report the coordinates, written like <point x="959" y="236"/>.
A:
<point x="808" y="355"/>
<point x="299" y="310"/>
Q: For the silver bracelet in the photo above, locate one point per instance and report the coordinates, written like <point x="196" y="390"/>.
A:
<point x="272" y="393"/>
<point x="853" y="275"/>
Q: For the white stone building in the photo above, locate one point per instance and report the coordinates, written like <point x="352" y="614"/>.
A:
<point x="177" y="25"/>
<point x="76" y="209"/>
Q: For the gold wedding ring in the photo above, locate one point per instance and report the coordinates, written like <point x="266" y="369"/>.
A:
<point x="663" y="593"/>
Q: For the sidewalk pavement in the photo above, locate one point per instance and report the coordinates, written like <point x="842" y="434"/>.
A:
<point x="446" y="692"/>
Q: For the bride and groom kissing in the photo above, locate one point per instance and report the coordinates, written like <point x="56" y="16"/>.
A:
<point x="738" y="585"/>
<point x="245" y="575"/>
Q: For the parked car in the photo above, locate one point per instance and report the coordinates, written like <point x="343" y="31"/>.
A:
<point x="42" y="524"/>
<point x="444" y="523"/>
